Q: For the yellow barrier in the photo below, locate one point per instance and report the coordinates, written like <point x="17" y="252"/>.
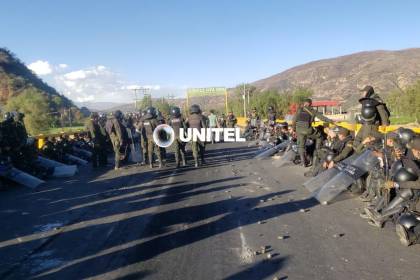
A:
<point x="349" y="126"/>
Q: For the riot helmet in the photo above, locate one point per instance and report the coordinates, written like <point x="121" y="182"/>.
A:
<point x="175" y="112"/>
<point x="195" y="109"/>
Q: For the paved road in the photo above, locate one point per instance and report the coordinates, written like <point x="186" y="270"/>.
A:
<point x="191" y="223"/>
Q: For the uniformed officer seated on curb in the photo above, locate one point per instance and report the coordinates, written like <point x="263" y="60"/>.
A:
<point x="337" y="147"/>
<point x="406" y="181"/>
<point x="302" y="124"/>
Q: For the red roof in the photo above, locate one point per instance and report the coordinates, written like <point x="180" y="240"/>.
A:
<point x="328" y="103"/>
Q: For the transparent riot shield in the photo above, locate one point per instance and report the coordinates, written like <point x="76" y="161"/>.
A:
<point x="83" y="152"/>
<point x="347" y="176"/>
<point x="271" y="151"/>
<point x="76" y="160"/>
<point x="60" y="169"/>
<point x="286" y="159"/>
<point x="22" y="178"/>
<point x="322" y="178"/>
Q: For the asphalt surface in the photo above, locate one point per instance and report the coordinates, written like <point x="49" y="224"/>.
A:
<point x="234" y="218"/>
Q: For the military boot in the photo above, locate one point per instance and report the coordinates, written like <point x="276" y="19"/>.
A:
<point x="184" y="163"/>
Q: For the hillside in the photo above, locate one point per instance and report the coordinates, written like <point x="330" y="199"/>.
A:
<point x="21" y="90"/>
<point x="16" y="77"/>
<point x="339" y="78"/>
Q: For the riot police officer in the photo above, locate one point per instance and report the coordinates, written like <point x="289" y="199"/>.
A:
<point x="98" y="138"/>
<point x="231" y="120"/>
<point x="119" y="138"/>
<point x="302" y="124"/>
<point x="150" y="122"/>
<point x="271" y="116"/>
<point x="196" y="121"/>
<point x="373" y="114"/>
<point x="176" y="122"/>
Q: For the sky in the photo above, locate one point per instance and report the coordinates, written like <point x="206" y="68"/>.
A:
<point x="97" y="50"/>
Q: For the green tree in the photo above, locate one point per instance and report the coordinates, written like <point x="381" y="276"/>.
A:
<point x="405" y="106"/>
<point x="163" y="106"/>
<point x="36" y="108"/>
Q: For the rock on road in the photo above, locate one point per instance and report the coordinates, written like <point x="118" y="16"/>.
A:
<point x="234" y="218"/>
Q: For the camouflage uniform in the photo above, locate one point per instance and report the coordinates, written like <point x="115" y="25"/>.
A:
<point x="176" y="123"/>
<point x="302" y="124"/>
<point x="118" y="134"/>
<point x="197" y="121"/>
<point x="150" y="123"/>
<point x="370" y="124"/>
<point x="98" y="138"/>
<point x="231" y="121"/>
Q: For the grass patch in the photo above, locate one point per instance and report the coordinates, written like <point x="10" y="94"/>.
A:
<point x="402" y="119"/>
<point x="60" y="130"/>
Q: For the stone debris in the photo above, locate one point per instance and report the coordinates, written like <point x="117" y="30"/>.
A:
<point x="269" y="256"/>
<point x="303" y="210"/>
<point x="338" y="235"/>
<point x="280" y="237"/>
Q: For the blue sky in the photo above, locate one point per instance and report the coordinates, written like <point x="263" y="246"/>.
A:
<point x="175" y="44"/>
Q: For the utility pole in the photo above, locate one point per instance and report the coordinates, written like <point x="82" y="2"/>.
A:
<point x="135" y="90"/>
<point x="140" y="91"/>
<point x="244" y="97"/>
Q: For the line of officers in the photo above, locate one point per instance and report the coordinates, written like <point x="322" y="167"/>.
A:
<point x="391" y="189"/>
<point x="132" y="134"/>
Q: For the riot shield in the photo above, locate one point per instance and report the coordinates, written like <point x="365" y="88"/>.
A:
<point x="22" y="178"/>
<point x="271" y="151"/>
<point x="74" y="159"/>
<point x="135" y="149"/>
<point x="288" y="158"/>
<point x="83" y="152"/>
<point x="322" y="178"/>
<point x="347" y="176"/>
<point x="60" y="169"/>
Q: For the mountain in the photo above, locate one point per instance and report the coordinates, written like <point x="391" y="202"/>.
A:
<point x="15" y="78"/>
<point x="21" y="90"/>
<point x="340" y="78"/>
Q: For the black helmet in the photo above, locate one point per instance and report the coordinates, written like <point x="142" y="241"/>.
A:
<point x="405" y="174"/>
<point x="408" y="220"/>
<point x="368" y="113"/>
<point x="330" y="156"/>
<point x="175" y="112"/>
<point x="195" y="109"/>
<point x="405" y="135"/>
<point x="8" y="116"/>
<point x="151" y="112"/>
<point x="118" y="114"/>
<point x="94" y="115"/>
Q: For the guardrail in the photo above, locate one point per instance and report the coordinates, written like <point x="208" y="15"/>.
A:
<point x="348" y="125"/>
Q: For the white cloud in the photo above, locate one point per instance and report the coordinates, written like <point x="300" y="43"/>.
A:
<point x="41" y="67"/>
<point x="96" y="83"/>
<point x="76" y="75"/>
